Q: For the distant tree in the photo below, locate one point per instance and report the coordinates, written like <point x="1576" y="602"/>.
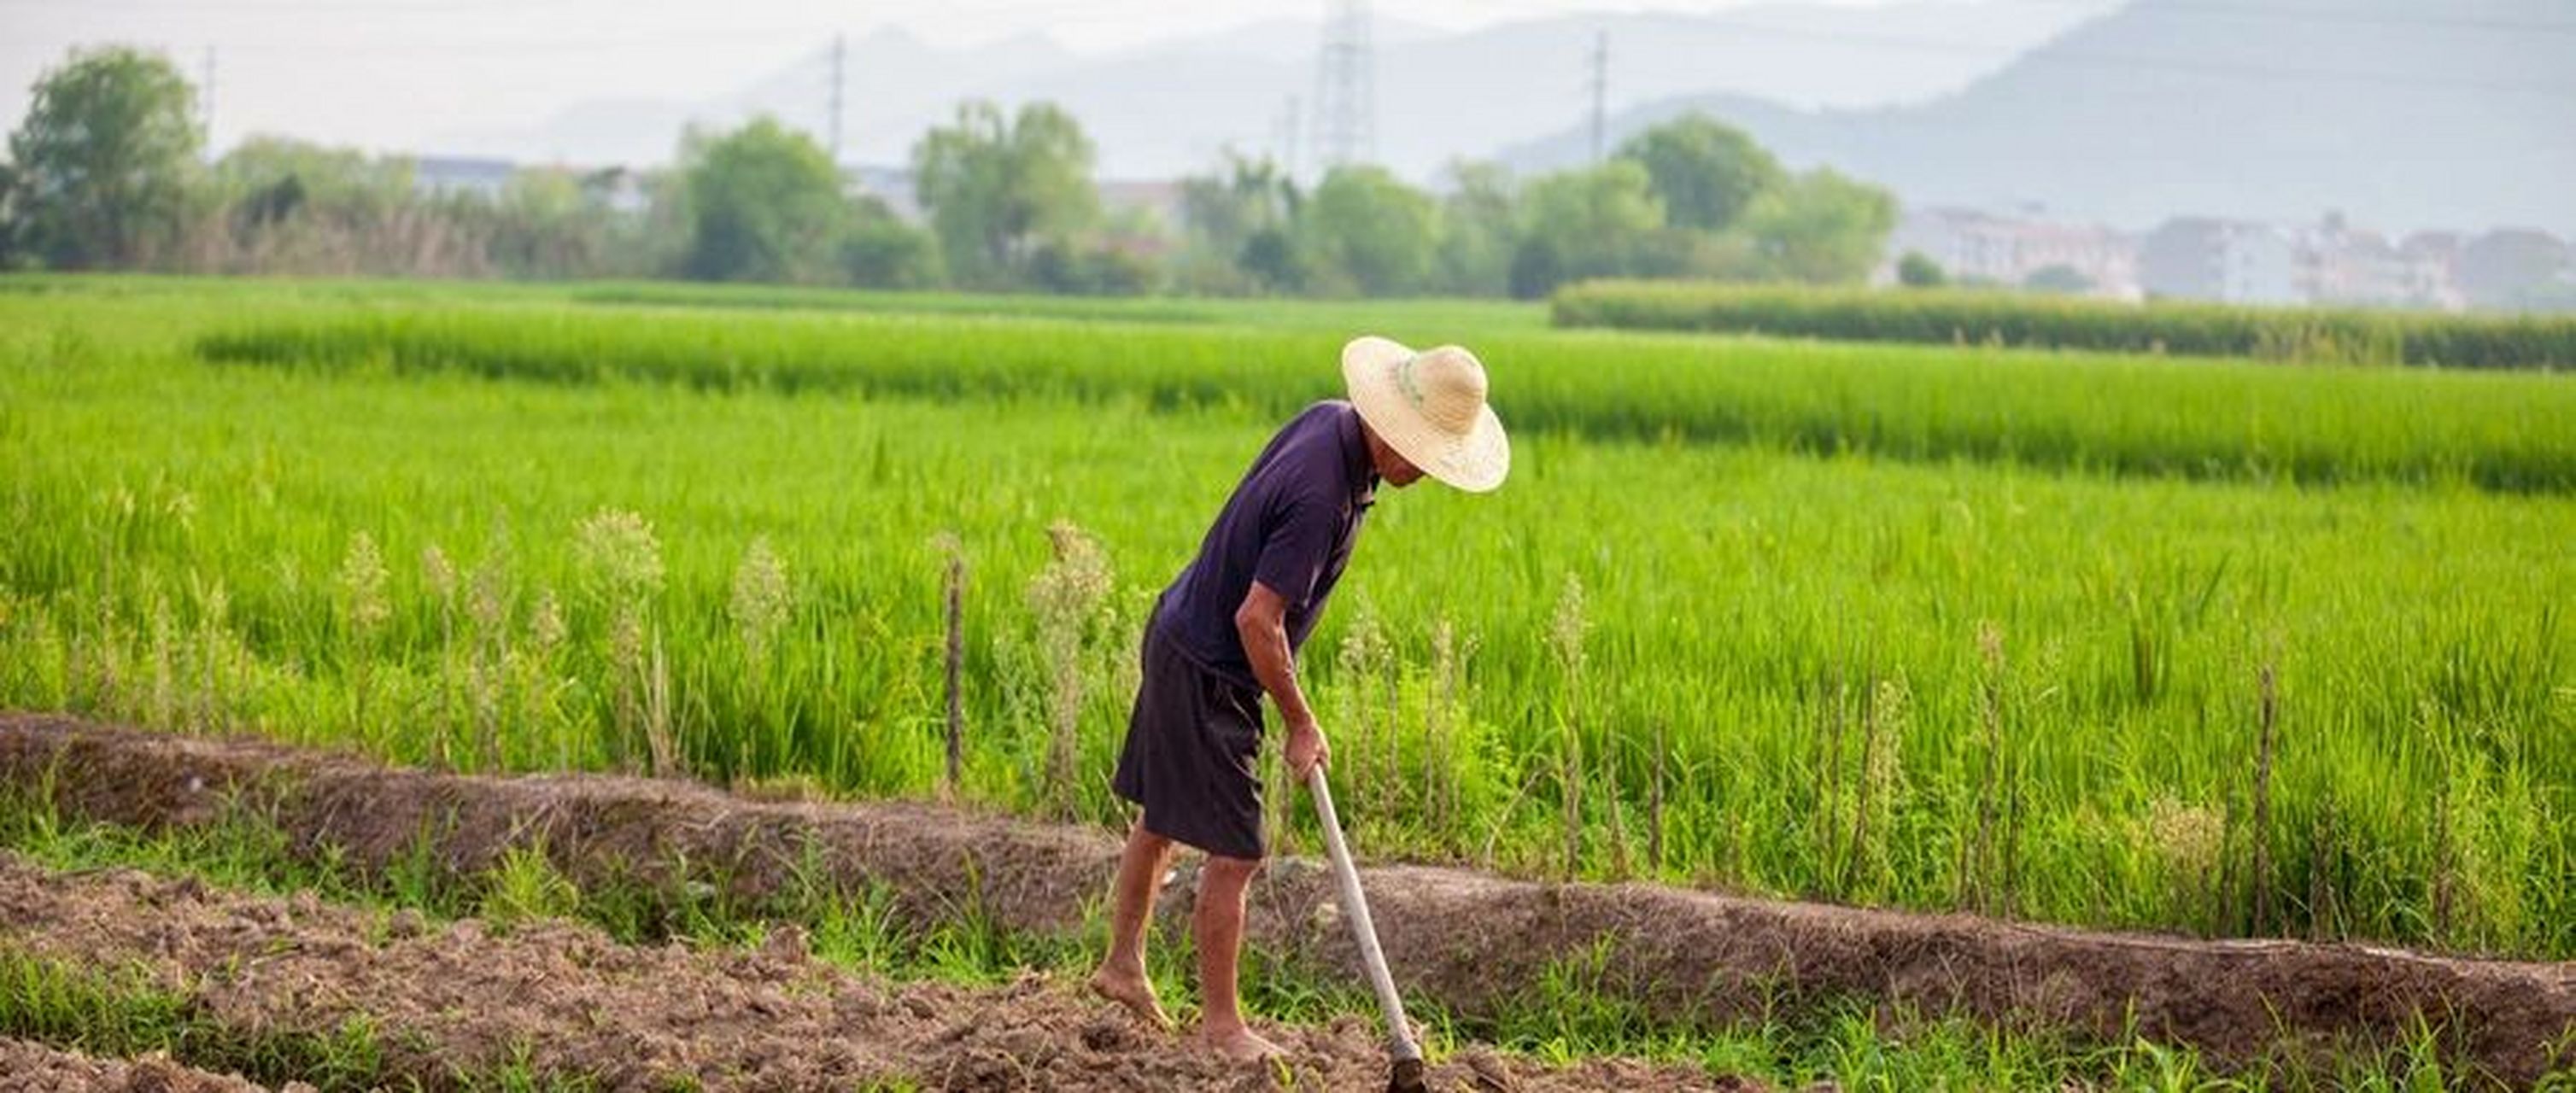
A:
<point x="1478" y="230"/>
<point x="1238" y="228"/>
<point x="1374" y="230"/>
<point x="881" y="251"/>
<point x="999" y="189"/>
<point x="1707" y="172"/>
<point x="102" y="164"/>
<point x="765" y="204"/>
<point x="2061" y="279"/>
<point x="550" y="223"/>
<point x="1821" y="228"/>
<point x="1594" y="222"/>
<point x="1917" y="270"/>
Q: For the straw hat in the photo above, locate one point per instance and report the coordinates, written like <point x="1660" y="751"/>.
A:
<point x="1430" y="407"/>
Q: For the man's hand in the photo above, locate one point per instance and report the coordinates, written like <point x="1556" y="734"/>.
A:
<point x="1306" y="749"/>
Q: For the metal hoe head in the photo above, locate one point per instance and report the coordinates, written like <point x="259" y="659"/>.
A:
<point x="1406" y="1077"/>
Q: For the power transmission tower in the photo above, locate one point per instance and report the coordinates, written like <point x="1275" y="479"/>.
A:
<point x="1600" y="91"/>
<point x="840" y="51"/>
<point x="1345" y="89"/>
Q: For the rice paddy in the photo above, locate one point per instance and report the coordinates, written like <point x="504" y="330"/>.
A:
<point x="2194" y="645"/>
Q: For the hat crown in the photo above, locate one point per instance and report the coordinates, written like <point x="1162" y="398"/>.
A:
<point x="1447" y="384"/>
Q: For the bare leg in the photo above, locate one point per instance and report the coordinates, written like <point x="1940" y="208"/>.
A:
<point x="1121" y="977"/>
<point x="1219" y="932"/>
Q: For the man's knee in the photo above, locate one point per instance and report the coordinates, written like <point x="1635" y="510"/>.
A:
<point x="1231" y="872"/>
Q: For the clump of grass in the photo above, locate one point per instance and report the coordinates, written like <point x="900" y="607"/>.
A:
<point x="364" y="609"/>
<point x="1565" y="640"/>
<point x="621" y="565"/>
<point x="1070" y="598"/>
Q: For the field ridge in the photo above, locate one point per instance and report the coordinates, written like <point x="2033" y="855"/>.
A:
<point x="1682" y="955"/>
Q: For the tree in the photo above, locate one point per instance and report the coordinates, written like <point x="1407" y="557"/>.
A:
<point x="997" y="190"/>
<point x="102" y="162"/>
<point x="1238" y="229"/>
<point x="1478" y="230"/>
<point x="1595" y="222"/>
<point x="1917" y="270"/>
<point x="765" y="205"/>
<point x="1374" y="230"/>
<point x="2060" y="278"/>
<point x="881" y="251"/>
<point x="1821" y="228"/>
<point x="1707" y="172"/>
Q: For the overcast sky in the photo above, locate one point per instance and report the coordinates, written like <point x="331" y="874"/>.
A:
<point x="396" y="75"/>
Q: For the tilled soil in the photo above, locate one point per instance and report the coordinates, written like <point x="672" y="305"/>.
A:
<point x="1475" y="942"/>
<point x="567" y="1001"/>
<point x="36" y="1068"/>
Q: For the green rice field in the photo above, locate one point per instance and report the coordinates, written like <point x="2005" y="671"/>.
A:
<point x="2202" y="645"/>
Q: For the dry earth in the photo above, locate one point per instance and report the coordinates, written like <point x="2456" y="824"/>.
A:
<point x="567" y="1001"/>
<point x="36" y="1068"/>
<point x="1689" y="955"/>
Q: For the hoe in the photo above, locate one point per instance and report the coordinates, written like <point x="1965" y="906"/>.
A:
<point x="1405" y="1076"/>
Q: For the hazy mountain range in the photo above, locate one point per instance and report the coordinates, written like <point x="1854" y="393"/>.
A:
<point x="2400" y="113"/>
<point x="1168" y="109"/>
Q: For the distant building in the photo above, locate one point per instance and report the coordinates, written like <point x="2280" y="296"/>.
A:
<point x="443" y="176"/>
<point x="2199" y="258"/>
<point x="2343" y="265"/>
<point x="1975" y="246"/>
<point x="2513" y="267"/>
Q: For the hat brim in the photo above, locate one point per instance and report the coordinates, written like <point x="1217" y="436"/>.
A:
<point x="1476" y="461"/>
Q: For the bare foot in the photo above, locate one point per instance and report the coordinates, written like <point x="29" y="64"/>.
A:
<point x="1239" y="1044"/>
<point x="1134" y="992"/>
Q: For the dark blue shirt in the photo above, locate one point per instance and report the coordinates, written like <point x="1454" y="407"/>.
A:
<point x="1289" y="525"/>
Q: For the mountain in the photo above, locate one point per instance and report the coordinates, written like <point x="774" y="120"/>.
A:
<point x="1170" y="108"/>
<point x="2401" y="114"/>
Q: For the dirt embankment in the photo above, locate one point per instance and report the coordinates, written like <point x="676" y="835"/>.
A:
<point x="35" y="1068"/>
<point x="1471" y="940"/>
<point x="564" y="1001"/>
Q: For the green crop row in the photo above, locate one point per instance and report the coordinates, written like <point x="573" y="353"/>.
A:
<point x="2196" y="419"/>
<point x="1969" y="316"/>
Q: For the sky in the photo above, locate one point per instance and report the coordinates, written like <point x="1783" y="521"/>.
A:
<point x="398" y="75"/>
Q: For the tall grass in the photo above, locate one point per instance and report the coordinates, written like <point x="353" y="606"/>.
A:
<point x="1800" y="634"/>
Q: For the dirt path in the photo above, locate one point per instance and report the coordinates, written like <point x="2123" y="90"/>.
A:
<point x="36" y="1068"/>
<point x="570" y="1002"/>
<point x="1686" y="954"/>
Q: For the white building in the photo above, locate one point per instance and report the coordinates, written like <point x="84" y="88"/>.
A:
<point x="2197" y="258"/>
<point x="1982" y="247"/>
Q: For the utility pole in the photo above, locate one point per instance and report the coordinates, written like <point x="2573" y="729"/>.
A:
<point x="1345" y="89"/>
<point x="840" y="52"/>
<point x="1600" y="90"/>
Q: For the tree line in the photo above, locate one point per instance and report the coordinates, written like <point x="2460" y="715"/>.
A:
<point x="106" y="172"/>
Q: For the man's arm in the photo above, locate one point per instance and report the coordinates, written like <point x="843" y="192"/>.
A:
<point x="1262" y="623"/>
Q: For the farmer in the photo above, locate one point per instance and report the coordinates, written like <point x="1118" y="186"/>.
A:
<point x="1228" y="629"/>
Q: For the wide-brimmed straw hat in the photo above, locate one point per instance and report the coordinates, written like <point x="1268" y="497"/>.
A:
<point x="1430" y="407"/>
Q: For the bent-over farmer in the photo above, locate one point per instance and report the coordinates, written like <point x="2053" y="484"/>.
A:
<point x="1227" y="632"/>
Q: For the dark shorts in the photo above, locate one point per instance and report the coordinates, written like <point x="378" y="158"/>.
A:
<point x="1193" y="745"/>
